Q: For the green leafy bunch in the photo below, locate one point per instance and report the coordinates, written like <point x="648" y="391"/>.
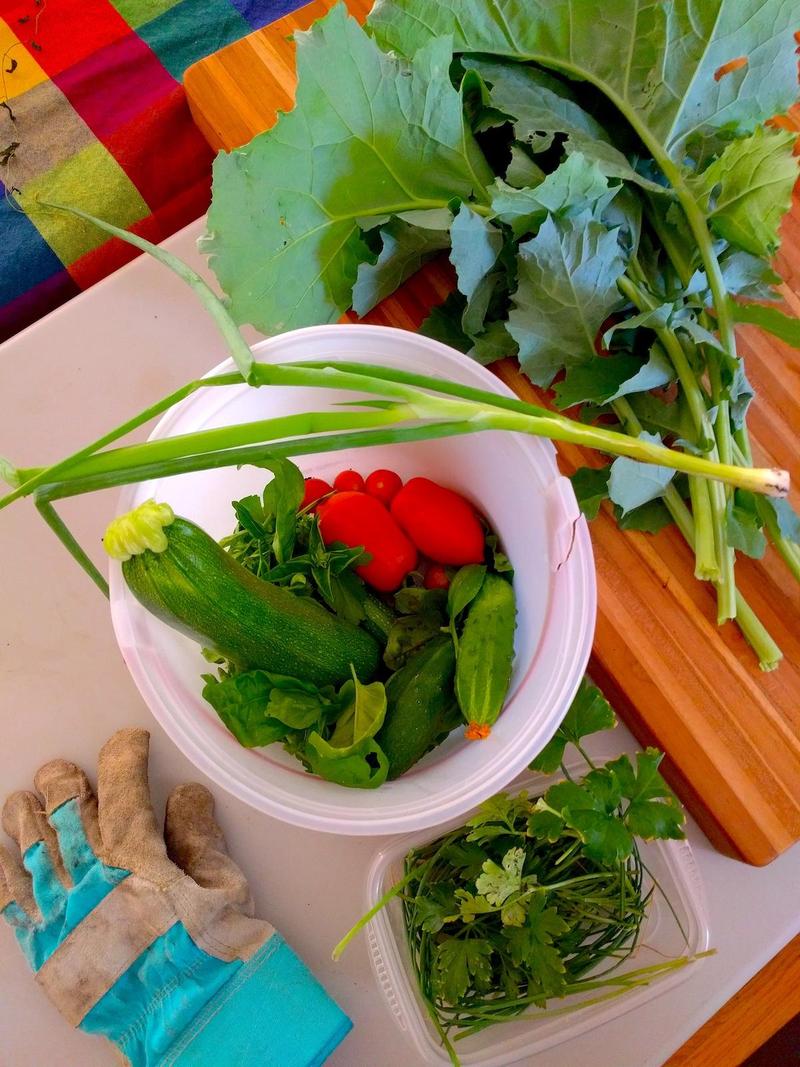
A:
<point x="607" y="192"/>
<point x="536" y="898"/>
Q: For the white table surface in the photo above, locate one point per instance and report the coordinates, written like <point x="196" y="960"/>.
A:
<point x="64" y="689"/>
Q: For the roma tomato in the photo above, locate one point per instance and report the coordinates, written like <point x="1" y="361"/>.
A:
<point x="383" y="485"/>
<point x="315" y="488"/>
<point x="358" y="519"/>
<point x="441" y="523"/>
<point x="348" y="482"/>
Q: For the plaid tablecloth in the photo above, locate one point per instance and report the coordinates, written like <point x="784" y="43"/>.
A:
<point x="93" y="114"/>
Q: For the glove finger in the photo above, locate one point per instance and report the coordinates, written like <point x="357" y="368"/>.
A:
<point x="25" y="822"/>
<point x="71" y="809"/>
<point x="196" y="844"/>
<point x="128" y="829"/>
<point x="16" y="891"/>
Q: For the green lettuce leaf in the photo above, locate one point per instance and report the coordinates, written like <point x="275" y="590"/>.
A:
<point x="370" y="135"/>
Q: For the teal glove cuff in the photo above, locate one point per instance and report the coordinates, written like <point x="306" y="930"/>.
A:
<point x="272" y="1012"/>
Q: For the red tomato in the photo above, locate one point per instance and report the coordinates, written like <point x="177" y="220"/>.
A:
<point x="348" y="482"/>
<point x="315" y="488"/>
<point x="384" y="485"/>
<point x="441" y="523"/>
<point x="358" y="519"/>
<point x="436" y="577"/>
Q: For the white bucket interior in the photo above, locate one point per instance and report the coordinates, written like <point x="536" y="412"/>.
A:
<point x="511" y="478"/>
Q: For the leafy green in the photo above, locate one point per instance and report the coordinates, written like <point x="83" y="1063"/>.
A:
<point x="405" y="248"/>
<point x="260" y="708"/>
<point x="568" y="278"/>
<point x="653" y="810"/>
<point x="574" y="186"/>
<point x="656" y="65"/>
<point x="748" y="189"/>
<point x="647" y="518"/>
<point x="282" y="497"/>
<point x="787" y="519"/>
<point x="744" y="525"/>
<point x="591" y="488"/>
<point x="497" y="883"/>
<point x="631" y="484"/>
<point x="283" y="233"/>
<point x="771" y="319"/>
<point x="532" y="944"/>
<point x="363" y="711"/>
<point x="458" y="963"/>
<point x="588" y="713"/>
<point x="361" y="766"/>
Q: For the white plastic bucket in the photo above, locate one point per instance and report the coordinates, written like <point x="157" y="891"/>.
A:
<point x="664" y="935"/>
<point x="514" y="481"/>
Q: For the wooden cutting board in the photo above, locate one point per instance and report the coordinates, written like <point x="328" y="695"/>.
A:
<point x="731" y="733"/>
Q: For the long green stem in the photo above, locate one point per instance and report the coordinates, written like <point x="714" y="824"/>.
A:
<point x="59" y="527"/>
<point x="42" y="474"/>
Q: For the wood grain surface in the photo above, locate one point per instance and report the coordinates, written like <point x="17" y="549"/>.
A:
<point x="731" y="732"/>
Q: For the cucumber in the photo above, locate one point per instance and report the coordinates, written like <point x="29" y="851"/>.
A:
<point x="197" y="588"/>
<point x="421" y="708"/>
<point x="485" y="655"/>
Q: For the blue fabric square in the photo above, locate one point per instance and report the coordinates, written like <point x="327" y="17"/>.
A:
<point x="260" y="12"/>
<point x="25" y="257"/>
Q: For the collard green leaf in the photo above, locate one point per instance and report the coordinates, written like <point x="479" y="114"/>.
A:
<point x="648" y="518"/>
<point x="588" y="713"/>
<point x="495" y="342"/>
<point x="591" y="488"/>
<point x="574" y="186"/>
<point x="744" y="526"/>
<point x="459" y="964"/>
<point x="786" y="517"/>
<point x="656" y="64"/>
<point x="771" y="319"/>
<point x="748" y="189"/>
<point x="369" y="135"/>
<point x="522" y="172"/>
<point x="405" y="248"/>
<point x="632" y="484"/>
<point x="567" y="288"/>
<point x="475" y="246"/>
<point x="444" y="323"/>
<point x="748" y="276"/>
<point x="603" y="379"/>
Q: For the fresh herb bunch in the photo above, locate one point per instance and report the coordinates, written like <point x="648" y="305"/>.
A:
<point x="602" y="207"/>
<point x="536" y="899"/>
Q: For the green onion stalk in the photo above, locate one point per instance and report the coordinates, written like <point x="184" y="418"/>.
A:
<point x="402" y="406"/>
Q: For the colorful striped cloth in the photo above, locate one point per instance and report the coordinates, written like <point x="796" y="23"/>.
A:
<point x="93" y="114"/>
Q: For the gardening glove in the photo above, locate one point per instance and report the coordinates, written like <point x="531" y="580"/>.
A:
<point x="152" y="943"/>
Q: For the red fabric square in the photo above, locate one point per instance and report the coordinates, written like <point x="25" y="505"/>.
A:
<point x="112" y="86"/>
<point x="95" y="265"/>
<point x="161" y="150"/>
<point x="59" y="33"/>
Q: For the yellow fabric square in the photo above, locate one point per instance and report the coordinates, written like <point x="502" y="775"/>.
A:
<point x="27" y="71"/>
<point x="93" y="181"/>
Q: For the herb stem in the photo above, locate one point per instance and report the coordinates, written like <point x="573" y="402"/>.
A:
<point x="59" y="527"/>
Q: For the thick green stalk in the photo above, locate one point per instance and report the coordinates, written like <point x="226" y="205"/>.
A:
<point x="753" y="630"/>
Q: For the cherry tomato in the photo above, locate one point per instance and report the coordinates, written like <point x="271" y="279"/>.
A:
<point x="315" y="488"/>
<point x="436" y="577"/>
<point x="348" y="482"/>
<point x="441" y="523"/>
<point x="384" y="485"/>
<point x="358" y="519"/>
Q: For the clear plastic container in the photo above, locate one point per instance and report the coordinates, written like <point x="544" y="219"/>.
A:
<point x="514" y="480"/>
<point x="671" y="863"/>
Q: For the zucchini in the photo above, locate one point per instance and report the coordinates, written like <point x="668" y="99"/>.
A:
<point x="421" y="708"/>
<point x="181" y="575"/>
<point x="485" y="655"/>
